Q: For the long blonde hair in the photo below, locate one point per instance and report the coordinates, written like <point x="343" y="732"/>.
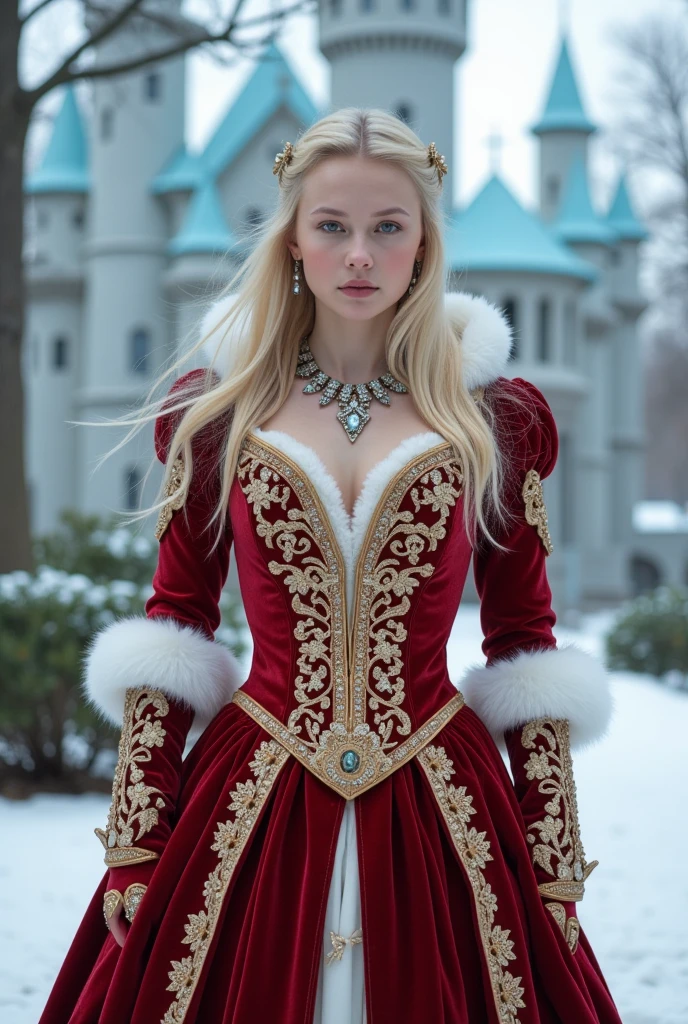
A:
<point x="423" y="347"/>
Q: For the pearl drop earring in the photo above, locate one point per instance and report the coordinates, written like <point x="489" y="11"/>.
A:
<point x="297" y="278"/>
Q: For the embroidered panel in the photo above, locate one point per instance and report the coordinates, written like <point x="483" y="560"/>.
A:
<point x="132" y="806"/>
<point x="247" y="801"/>
<point x="387" y="574"/>
<point x="560" y="849"/>
<point x="173" y="484"/>
<point x="335" y="743"/>
<point x="536" y="511"/>
<point x="474" y="852"/>
<point x="569" y="927"/>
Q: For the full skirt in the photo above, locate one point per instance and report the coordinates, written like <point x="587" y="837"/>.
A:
<point x="275" y="900"/>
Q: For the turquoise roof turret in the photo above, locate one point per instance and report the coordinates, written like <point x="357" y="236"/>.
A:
<point x="564" y="109"/>
<point x="204" y="229"/>
<point x="183" y="172"/>
<point x="496" y="233"/>
<point x="64" y="167"/>
<point x="621" y="217"/>
<point x="577" y="220"/>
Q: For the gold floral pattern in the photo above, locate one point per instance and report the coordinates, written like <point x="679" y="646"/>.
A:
<point x="173" y="484"/>
<point x="132" y="806"/>
<point x="474" y="852"/>
<point x="569" y="927"/>
<point x="536" y="511"/>
<point x="339" y="944"/>
<point x="329" y="722"/>
<point x="246" y="803"/>
<point x="558" y="831"/>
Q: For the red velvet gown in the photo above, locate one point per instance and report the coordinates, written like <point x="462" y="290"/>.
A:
<point x="349" y="699"/>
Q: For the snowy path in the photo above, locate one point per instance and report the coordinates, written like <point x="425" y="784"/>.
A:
<point x="631" y="795"/>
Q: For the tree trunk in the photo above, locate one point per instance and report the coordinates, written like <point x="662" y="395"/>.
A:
<point x="15" y="530"/>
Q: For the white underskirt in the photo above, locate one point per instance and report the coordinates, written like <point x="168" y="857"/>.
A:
<point x="340" y="997"/>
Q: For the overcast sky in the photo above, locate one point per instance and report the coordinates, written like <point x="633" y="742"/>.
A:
<point x="500" y="83"/>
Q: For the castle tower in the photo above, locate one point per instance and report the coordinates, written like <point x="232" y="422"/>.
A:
<point x="563" y="131"/>
<point x="138" y="123"/>
<point x="57" y="206"/>
<point x="399" y="57"/>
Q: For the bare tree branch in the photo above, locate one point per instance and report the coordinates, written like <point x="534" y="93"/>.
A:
<point x="63" y="74"/>
<point x="35" y="10"/>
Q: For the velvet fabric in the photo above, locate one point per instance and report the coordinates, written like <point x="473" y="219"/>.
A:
<point x="455" y="931"/>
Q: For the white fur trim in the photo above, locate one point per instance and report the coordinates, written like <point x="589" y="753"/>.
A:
<point x="161" y="653"/>
<point x="564" y="682"/>
<point x="485" y="339"/>
<point x="350" y="530"/>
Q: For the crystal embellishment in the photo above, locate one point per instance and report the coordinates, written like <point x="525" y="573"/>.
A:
<point x="354" y="399"/>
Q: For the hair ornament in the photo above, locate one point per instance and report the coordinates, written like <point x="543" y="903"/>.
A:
<point x="439" y="162"/>
<point x="283" y="158"/>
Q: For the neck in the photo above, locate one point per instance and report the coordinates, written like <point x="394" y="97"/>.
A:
<point x="352" y="351"/>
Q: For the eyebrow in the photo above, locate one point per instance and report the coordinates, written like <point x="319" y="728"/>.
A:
<point x="380" y="213"/>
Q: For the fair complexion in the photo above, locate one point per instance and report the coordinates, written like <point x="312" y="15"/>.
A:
<point x="376" y="234"/>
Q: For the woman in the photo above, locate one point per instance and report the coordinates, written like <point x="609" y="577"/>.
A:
<point x="343" y="842"/>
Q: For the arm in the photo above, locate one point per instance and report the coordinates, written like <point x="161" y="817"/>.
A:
<point x="538" y="700"/>
<point x="157" y="674"/>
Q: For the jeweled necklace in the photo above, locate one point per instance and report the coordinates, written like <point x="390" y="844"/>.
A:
<point x="354" y="399"/>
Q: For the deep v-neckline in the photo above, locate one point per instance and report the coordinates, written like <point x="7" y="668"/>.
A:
<point x="349" y="531"/>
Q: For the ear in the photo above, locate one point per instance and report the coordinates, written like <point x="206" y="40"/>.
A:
<point x="421" y="252"/>
<point x="294" y="250"/>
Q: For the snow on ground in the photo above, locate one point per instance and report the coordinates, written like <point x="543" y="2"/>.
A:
<point x="631" y="794"/>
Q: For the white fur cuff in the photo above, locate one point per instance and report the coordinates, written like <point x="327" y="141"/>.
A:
<point x="564" y="682"/>
<point x="164" y="654"/>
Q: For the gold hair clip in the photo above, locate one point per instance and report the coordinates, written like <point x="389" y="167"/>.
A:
<point x="282" y="159"/>
<point x="435" y="158"/>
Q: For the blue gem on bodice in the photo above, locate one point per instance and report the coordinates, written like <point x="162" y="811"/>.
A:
<point x="350" y="761"/>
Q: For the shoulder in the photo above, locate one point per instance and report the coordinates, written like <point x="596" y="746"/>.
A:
<point x="524" y="424"/>
<point x="206" y="443"/>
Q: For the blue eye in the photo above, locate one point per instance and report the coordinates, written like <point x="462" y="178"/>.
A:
<point x="327" y="222"/>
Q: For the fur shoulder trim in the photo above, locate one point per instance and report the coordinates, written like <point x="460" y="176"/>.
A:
<point x="564" y="682"/>
<point x="162" y="653"/>
<point x="486" y="336"/>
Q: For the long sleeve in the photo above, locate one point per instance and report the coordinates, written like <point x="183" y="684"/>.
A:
<point x="156" y="675"/>
<point x="538" y="700"/>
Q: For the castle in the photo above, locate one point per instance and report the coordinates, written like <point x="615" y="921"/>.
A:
<point x="127" y="225"/>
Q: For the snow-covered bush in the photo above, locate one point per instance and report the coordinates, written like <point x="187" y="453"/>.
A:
<point x="97" y="574"/>
<point x="650" y="635"/>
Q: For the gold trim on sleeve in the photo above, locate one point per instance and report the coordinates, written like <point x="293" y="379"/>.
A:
<point x="559" y="830"/>
<point x="133" y="894"/>
<point x="536" y="511"/>
<point x="131" y="798"/>
<point x="569" y="927"/>
<point x="474" y="853"/>
<point x="173" y="484"/>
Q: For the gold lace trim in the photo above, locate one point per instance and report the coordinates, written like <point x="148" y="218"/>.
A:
<point x="173" y="484"/>
<point x="246" y="803"/>
<point x="473" y="850"/>
<point x="559" y="830"/>
<point x="131" y="798"/>
<point x="569" y="927"/>
<point x="536" y="511"/>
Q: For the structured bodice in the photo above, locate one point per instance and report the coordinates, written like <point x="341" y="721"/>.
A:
<point x="350" y="615"/>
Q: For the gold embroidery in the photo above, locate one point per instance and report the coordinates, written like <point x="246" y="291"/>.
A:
<point x="312" y="568"/>
<point x="173" y="484"/>
<point x="569" y="927"/>
<point x="339" y="943"/>
<point x="131" y="798"/>
<point x="247" y="801"/>
<point x="559" y="830"/>
<point x="133" y="894"/>
<point x="111" y="901"/>
<point x="382" y="594"/>
<point x="473" y="849"/>
<point x="536" y="511"/>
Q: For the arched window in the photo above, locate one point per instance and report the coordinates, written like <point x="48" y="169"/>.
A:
<point x="404" y="111"/>
<point x="60" y="353"/>
<point x="132" y="488"/>
<point x="140" y="350"/>
<point x="645" y="575"/>
<point x="544" y="330"/>
<point x="570" y="333"/>
<point x="510" y="309"/>
<point x="552" y="186"/>
<point x="107" y="123"/>
<point x="152" y="85"/>
<point x="367" y="5"/>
